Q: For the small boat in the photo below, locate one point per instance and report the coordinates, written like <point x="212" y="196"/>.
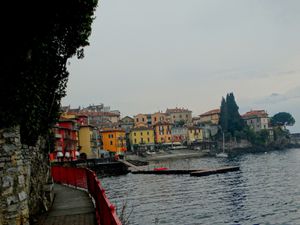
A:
<point x="222" y="155"/>
<point x="160" y="168"/>
<point x="150" y="153"/>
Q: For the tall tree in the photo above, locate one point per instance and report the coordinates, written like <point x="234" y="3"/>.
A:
<point x="37" y="44"/>
<point x="223" y="122"/>
<point x="283" y="119"/>
<point x="230" y="118"/>
<point x="235" y="121"/>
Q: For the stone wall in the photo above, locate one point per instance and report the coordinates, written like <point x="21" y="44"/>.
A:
<point x="24" y="171"/>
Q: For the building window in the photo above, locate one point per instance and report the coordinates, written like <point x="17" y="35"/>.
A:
<point x="186" y="116"/>
<point x="111" y="143"/>
<point x="147" y="132"/>
<point x="135" y="141"/>
<point x="134" y="133"/>
<point x="141" y="133"/>
<point x="142" y="140"/>
<point x="180" y="116"/>
<point x="148" y="140"/>
<point x="143" y="119"/>
<point x="155" y="119"/>
<point x="137" y="120"/>
<point x="169" y="138"/>
<point x="174" y="117"/>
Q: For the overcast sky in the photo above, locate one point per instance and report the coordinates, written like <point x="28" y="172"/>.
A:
<point x="149" y="55"/>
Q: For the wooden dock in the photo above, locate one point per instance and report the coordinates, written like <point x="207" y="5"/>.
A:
<point x="196" y="172"/>
<point x="71" y="206"/>
<point x="166" y="172"/>
<point x="200" y="173"/>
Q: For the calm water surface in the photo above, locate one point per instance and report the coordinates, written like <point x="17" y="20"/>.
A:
<point x="265" y="191"/>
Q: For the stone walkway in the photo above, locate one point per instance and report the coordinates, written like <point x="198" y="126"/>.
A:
<point x="71" y="206"/>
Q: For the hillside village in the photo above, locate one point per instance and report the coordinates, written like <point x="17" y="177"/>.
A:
<point x="96" y="130"/>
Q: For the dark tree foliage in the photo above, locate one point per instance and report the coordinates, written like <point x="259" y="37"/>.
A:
<point x="283" y="119"/>
<point x="230" y="118"/>
<point x="40" y="36"/>
<point x="224" y="115"/>
<point x="235" y="121"/>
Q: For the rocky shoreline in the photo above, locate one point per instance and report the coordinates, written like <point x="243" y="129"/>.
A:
<point x="190" y="153"/>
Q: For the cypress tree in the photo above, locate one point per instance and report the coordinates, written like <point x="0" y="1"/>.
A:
<point x="230" y="118"/>
<point x="235" y="121"/>
<point x="223" y="122"/>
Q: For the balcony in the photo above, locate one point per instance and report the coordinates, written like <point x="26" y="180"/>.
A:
<point x="58" y="148"/>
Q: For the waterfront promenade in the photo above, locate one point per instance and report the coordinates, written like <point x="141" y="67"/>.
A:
<point x="71" y="206"/>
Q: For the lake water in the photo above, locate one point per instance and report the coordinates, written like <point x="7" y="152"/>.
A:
<point x="266" y="190"/>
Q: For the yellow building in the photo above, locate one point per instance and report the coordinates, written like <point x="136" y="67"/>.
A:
<point x="141" y="135"/>
<point x="211" y="117"/>
<point x="88" y="141"/>
<point x="114" y="140"/>
<point x="195" y="134"/>
<point x="163" y="132"/>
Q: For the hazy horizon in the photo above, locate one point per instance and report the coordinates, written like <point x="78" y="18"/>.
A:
<point x="146" y="56"/>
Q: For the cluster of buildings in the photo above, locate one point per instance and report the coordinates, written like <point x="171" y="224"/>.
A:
<point x="96" y="130"/>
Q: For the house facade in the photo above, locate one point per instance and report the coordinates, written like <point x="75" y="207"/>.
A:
<point x="179" y="114"/>
<point x="126" y="123"/>
<point x="210" y="117"/>
<point x="195" y="134"/>
<point x="142" y="120"/>
<point x="142" y="136"/>
<point x="159" y="117"/>
<point x="114" y="140"/>
<point x="89" y="141"/>
<point x="66" y="140"/>
<point x="257" y="120"/>
<point x="179" y="134"/>
<point x="162" y="132"/>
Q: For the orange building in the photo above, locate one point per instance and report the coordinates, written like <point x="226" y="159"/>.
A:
<point x="163" y="132"/>
<point x="114" y="140"/>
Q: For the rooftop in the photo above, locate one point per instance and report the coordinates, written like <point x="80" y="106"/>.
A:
<point x="255" y="113"/>
<point x="112" y="130"/>
<point x="211" y="112"/>
<point x="141" y="128"/>
<point x="177" y="110"/>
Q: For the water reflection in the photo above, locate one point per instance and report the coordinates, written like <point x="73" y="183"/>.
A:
<point x="265" y="191"/>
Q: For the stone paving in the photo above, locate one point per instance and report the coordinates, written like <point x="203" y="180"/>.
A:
<point x="71" y="206"/>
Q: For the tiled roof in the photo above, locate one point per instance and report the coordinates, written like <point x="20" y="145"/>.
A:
<point x="211" y="112"/>
<point x="255" y="113"/>
<point x="177" y="110"/>
<point x="162" y="123"/>
<point x="141" y="128"/>
<point x="112" y="130"/>
<point x="99" y="113"/>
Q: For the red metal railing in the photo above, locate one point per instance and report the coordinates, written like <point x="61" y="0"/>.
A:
<point x="87" y="179"/>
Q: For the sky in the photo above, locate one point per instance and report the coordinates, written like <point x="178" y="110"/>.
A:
<point x="145" y="56"/>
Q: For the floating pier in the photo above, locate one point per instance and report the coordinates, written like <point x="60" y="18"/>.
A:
<point x="163" y="171"/>
<point x="197" y="172"/>
<point x="207" y="172"/>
